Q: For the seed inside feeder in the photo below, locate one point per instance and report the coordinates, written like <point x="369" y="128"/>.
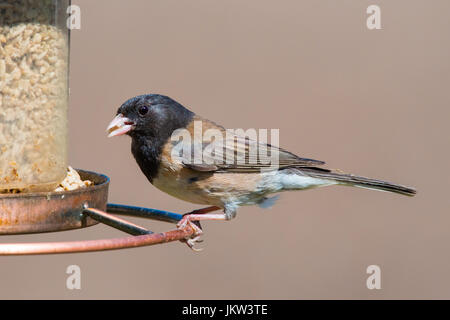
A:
<point x="33" y="95"/>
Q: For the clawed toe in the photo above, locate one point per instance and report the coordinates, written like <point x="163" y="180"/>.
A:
<point x="191" y="243"/>
<point x="192" y="220"/>
<point x="195" y="238"/>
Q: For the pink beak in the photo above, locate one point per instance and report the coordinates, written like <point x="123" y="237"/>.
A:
<point x="119" y="126"/>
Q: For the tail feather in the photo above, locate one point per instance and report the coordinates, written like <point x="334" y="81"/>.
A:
<point x="363" y="182"/>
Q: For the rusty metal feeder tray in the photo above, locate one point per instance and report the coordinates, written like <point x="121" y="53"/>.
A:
<point x="61" y="211"/>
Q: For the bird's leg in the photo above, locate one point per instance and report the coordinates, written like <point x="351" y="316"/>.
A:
<point x="198" y="211"/>
<point x="193" y="219"/>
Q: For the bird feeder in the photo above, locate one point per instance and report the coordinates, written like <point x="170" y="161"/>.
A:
<point x="34" y="67"/>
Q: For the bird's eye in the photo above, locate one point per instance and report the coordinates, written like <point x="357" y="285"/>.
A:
<point x="143" y="110"/>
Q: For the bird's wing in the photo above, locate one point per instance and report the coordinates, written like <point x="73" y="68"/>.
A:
<point x="221" y="150"/>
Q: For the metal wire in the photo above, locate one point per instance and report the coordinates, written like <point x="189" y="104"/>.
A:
<point x="153" y="214"/>
<point x="141" y="236"/>
<point x="115" y="222"/>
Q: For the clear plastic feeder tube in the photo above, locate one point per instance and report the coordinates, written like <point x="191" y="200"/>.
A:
<point x="34" y="63"/>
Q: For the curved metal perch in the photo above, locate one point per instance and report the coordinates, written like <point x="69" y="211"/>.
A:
<point x="140" y="236"/>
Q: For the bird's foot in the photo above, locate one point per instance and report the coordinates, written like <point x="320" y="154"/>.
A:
<point x="195" y="238"/>
<point x="192" y="220"/>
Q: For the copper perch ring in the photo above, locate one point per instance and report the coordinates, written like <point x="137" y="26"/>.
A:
<point x="140" y="236"/>
<point x="51" y="212"/>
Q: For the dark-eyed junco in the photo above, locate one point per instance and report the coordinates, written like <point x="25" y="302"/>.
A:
<point x="227" y="172"/>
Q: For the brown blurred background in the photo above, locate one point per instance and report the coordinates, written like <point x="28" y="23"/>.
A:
<point x="372" y="102"/>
